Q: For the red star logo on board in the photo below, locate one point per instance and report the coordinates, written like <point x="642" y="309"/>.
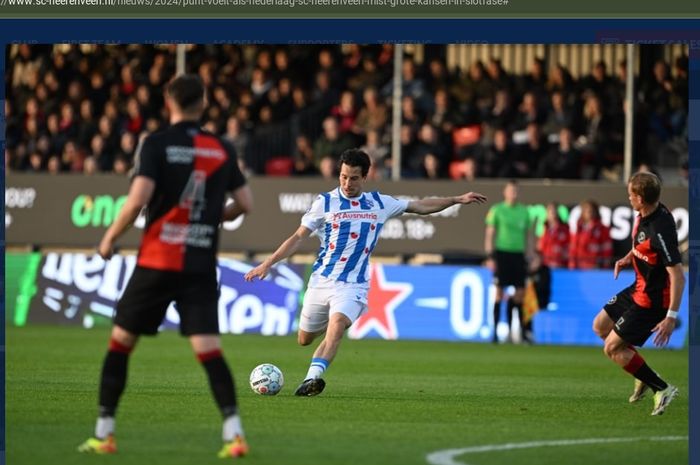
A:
<point x="383" y="299"/>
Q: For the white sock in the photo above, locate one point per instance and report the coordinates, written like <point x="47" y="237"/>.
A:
<point x="104" y="427"/>
<point x="317" y="367"/>
<point x="232" y="428"/>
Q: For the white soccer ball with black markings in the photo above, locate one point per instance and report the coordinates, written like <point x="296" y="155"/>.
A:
<point x="266" y="379"/>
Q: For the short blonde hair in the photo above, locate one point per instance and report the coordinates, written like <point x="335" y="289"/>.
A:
<point x="647" y="186"/>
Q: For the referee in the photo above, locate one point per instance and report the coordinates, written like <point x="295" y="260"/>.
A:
<point x="506" y="243"/>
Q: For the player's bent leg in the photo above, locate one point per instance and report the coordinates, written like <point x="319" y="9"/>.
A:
<point x="304" y="338"/>
<point x="618" y="350"/>
<point x="629" y="359"/>
<point x="603" y="324"/>
<point x="313" y="320"/>
<point x="337" y="326"/>
<point x="313" y="384"/>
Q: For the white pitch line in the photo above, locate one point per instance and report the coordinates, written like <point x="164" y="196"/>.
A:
<point x="446" y="457"/>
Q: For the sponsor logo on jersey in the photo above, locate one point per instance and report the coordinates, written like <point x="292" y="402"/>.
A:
<point x="640" y="255"/>
<point x="184" y="155"/>
<point x="353" y="216"/>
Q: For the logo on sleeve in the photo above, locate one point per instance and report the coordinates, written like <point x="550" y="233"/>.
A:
<point x="663" y="246"/>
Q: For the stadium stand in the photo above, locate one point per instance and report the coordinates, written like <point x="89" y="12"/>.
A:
<point x="83" y="108"/>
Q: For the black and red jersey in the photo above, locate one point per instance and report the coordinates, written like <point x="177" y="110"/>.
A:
<point x="193" y="170"/>
<point x="654" y="247"/>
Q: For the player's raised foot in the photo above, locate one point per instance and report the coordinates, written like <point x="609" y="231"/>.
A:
<point x="99" y="446"/>
<point x="663" y="398"/>
<point x="310" y="387"/>
<point x="640" y="390"/>
<point x="234" y="449"/>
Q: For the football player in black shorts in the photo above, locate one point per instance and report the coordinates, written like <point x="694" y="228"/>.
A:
<point x="183" y="176"/>
<point x="650" y="305"/>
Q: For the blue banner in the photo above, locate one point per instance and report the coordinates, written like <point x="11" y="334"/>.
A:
<point x="578" y="296"/>
<point x="266" y="307"/>
<point x="83" y="289"/>
<point x="455" y="304"/>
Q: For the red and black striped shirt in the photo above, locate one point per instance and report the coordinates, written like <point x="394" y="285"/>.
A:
<point x="193" y="170"/>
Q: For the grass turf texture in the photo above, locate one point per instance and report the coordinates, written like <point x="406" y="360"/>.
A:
<point x="385" y="403"/>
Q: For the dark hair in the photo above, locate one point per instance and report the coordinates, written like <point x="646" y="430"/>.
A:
<point x="595" y="207"/>
<point x="187" y="90"/>
<point x="356" y="157"/>
<point x="555" y="205"/>
<point x="647" y="186"/>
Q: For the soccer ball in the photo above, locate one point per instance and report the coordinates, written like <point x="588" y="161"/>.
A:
<point x="266" y="379"/>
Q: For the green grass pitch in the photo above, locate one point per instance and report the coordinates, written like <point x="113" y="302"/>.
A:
<point x="385" y="403"/>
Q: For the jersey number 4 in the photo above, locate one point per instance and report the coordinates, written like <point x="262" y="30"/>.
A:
<point x="192" y="197"/>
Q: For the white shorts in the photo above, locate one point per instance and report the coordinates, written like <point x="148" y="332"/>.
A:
<point x="321" y="302"/>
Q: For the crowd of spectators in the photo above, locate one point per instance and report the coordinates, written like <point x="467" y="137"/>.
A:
<point x="586" y="246"/>
<point x="293" y="109"/>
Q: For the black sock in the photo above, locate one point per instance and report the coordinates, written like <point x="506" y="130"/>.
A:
<point x="526" y="326"/>
<point x="509" y="312"/>
<point x="221" y="383"/>
<point x="650" y="378"/>
<point x="112" y="382"/>
<point x="638" y="368"/>
<point x="496" y="317"/>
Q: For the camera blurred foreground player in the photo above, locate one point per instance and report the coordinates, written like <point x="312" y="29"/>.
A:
<point x="183" y="176"/>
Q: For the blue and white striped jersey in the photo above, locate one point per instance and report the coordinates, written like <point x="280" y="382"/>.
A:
<point x="348" y="229"/>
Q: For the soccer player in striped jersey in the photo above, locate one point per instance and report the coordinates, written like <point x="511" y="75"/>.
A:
<point x="347" y="221"/>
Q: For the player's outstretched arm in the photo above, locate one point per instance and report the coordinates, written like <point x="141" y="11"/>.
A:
<point x="140" y="194"/>
<point x="436" y="204"/>
<point x="286" y="249"/>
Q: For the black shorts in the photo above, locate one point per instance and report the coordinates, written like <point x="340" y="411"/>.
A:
<point x="149" y="292"/>
<point x="632" y="322"/>
<point x="511" y="269"/>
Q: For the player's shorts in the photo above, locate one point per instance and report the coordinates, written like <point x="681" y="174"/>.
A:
<point x="511" y="269"/>
<point x="632" y="323"/>
<point x="149" y="292"/>
<point x="321" y="302"/>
